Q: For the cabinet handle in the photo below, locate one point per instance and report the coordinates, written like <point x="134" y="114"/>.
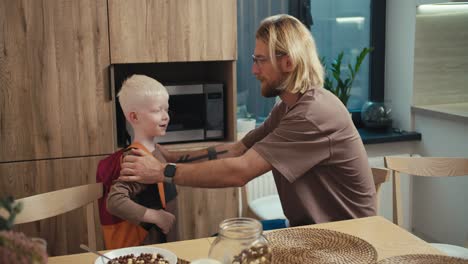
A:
<point x="111" y="83"/>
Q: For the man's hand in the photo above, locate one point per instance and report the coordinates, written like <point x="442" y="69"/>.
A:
<point x="141" y="167"/>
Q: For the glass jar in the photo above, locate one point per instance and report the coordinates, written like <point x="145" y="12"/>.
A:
<point x="240" y="241"/>
<point x="376" y="115"/>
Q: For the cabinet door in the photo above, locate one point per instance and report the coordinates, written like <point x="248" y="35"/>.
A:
<point x="200" y="211"/>
<point x="54" y="99"/>
<point x="63" y="233"/>
<point x="170" y="31"/>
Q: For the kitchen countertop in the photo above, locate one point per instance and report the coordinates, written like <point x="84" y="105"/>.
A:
<point x="453" y="110"/>
<point x="370" y="136"/>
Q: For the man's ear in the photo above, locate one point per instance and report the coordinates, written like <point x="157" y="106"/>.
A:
<point x="286" y="64"/>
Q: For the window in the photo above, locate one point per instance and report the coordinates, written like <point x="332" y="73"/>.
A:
<point x="249" y="15"/>
<point x="343" y="25"/>
<point x="337" y="25"/>
<point x="349" y="26"/>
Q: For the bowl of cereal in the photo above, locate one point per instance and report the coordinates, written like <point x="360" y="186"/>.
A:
<point x="138" y="255"/>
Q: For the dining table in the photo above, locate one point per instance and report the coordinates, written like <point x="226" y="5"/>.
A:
<point x="387" y="238"/>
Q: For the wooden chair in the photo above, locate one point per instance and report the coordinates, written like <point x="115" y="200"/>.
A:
<point x="425" y="167"/>
<point x="45" y="205"/>
<point x="381" y="176"/>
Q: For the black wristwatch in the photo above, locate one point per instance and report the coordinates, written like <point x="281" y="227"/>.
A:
<point x="169" y="172"/>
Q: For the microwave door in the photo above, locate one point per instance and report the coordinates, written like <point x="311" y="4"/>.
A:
<point x="187" y="115"/>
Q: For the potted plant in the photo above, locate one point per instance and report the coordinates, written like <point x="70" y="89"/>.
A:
<point x="338" y="82"/>
<point x="16" y="247"/>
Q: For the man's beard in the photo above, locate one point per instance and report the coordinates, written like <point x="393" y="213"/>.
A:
<point x="273" y="89"/>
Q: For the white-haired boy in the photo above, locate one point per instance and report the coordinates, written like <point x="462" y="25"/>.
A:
<point x="149" y="209"/>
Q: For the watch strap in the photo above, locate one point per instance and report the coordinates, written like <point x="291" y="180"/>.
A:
<point x="169" y="180"/>
<point x="169" y="172"/>
<point x="212" y="154"/>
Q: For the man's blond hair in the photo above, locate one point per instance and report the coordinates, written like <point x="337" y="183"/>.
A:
<point x="286" y="35"/>
<point x="135" y="89"/>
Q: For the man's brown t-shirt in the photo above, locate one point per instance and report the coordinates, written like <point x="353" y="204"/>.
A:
<point x="319" y="162"/>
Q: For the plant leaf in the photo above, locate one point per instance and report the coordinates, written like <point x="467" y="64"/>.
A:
<point x="343" y="85"/>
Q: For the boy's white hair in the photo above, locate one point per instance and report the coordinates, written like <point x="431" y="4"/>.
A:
<point x="136" y="88"/>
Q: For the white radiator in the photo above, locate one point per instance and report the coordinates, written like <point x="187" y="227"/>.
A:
<point x="262" y="198"/>
<point x="261" y="186"/>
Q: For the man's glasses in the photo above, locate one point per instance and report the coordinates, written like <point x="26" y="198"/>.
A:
<point x="260" y="60"/>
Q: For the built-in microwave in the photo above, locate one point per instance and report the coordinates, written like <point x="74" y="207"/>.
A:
<point x="196" y="113"/>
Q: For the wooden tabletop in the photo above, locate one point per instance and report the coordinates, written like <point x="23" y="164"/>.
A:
<point x="387" y="238"/>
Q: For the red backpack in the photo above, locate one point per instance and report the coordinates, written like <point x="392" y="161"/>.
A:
<point x="118" y="232"/>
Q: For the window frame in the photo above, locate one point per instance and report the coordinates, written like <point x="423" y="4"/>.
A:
<point x="377" y="58"/>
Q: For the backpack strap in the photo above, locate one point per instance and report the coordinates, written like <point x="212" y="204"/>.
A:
<point x="160" y="184"/>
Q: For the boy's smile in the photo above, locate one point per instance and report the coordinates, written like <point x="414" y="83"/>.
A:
<point x="152" y="118"/>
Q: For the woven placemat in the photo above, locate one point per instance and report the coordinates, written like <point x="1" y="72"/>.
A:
<point x="423" y="258"/>
<point x="314" y="245"/>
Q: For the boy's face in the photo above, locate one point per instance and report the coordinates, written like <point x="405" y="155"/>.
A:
<point x="152" y="117"/>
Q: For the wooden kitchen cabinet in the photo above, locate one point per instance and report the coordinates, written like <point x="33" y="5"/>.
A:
<point x="200" y="211"/>
<point x="54" y="84"/>
<point x="63" y="233"/>
<point x="172" y="31"/>
<point x="178" y="41"/>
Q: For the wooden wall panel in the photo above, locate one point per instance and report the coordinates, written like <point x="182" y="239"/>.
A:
<point x="171" y="31"/>
<point x="54" y="99"/>
<point x="441" y="58"/>
<point x="200" y="211"/>
<point x="63" y="233"/>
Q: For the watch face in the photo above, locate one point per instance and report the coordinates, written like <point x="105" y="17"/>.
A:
<point x="170" y="170"/>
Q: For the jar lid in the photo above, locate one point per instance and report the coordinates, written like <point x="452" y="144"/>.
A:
<point x="205" y="261"/>
<point x="240" y="228"/>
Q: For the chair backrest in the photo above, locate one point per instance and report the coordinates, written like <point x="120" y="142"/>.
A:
<point x="421" y="166"/>
<point x="54" y="203"/>
<point x="380" y="175"/>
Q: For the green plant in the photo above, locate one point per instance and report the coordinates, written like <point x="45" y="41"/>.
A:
<point x="16" y="247"/>
<point x="12" y="209"/>
<point x="339" y="83"/>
